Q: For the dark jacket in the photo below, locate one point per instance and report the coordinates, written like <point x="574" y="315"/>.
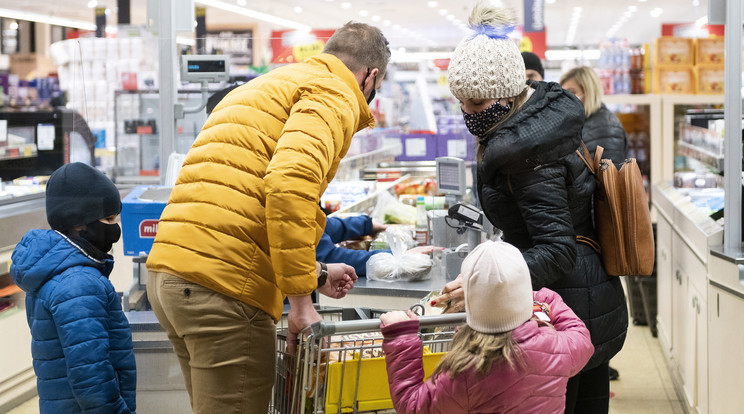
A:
<point x="604" y="129"/>
<point x="337" y="230"/>
<point x="81" y="342"/>
<point x="535" y="188"/>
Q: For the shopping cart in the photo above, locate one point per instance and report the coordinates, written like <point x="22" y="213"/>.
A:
<point x="340" y="368"/>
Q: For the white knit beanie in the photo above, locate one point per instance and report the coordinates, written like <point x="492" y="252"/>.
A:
<point x="487" y="64"/>
<point x="498" y="289"/>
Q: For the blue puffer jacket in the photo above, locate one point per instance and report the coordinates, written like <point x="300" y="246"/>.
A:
<point x="337" y="230"/>
<point x="81" y="341"/>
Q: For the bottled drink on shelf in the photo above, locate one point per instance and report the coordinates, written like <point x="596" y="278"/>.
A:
<point x="422" y="225"/>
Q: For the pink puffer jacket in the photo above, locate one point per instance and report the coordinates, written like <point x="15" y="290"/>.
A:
<point x="551" y="356"/>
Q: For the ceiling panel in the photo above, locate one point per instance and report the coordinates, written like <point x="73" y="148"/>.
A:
<point x="414" y="24"/>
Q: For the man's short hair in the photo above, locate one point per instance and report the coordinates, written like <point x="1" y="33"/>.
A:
<point x="359" y="46"/>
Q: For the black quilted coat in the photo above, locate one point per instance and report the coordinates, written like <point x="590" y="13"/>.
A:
<point x="603" y="128"/>
<point x="535" y="188"/>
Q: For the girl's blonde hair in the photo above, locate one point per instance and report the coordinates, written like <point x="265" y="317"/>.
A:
<point x="471" y="348"/>
<point x="519" y="100"/>
<point x="588" y="81"/>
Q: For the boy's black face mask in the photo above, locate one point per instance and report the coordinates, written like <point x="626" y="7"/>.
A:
<point x="101" y="235"/>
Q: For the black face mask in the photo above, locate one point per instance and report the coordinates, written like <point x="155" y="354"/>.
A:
<point x="374" y="83"/>
<point x="101" y="235"/>
<point x="480" y="122"/>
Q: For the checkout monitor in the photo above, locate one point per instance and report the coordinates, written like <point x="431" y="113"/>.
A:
<point x="451" y="176"/>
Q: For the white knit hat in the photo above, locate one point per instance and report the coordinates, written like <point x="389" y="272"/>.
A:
<point x="498" y="288"/>
<point x="488" y="64"/>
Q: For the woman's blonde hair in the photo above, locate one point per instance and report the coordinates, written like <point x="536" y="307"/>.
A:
<point x="471" y="348"/>
<point x="588" y="81"/>
<point x="519" y="100"/>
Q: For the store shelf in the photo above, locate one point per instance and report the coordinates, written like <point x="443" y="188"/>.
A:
<point x="701" y="154"/>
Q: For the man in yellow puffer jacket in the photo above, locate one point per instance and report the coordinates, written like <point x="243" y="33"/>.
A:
<point x="242" y="222"/>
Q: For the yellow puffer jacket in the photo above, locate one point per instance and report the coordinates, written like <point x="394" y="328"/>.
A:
<point x="243" y="218"/>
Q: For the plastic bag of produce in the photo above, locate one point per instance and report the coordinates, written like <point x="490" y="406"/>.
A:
<point x="398" y="266"/>
<point x="391" y="211"/>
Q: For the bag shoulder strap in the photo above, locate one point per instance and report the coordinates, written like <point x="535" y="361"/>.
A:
<point x="586" y="156"/>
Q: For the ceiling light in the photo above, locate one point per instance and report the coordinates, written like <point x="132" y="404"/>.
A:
<point x="432" y="4"/>
<point x="363" y="13"/>
<point x="244" y="3"/>
<point x="450" y="17"/>
<point x="457" y="22"/>
<point x="632" y="8"/>
<point x="386" y="22"/>
<point x="695" y="3"/>
<point x="396" y="27"/>
<point x="14" y="26"/>
<point x="92" y="4"/>
<point x="375" y="18"/>
<point x="298" y="9"/>
<point x="568" y="54"/>
<point x="346" y="5"/>
<point x="577" y="9"/>
<point x="42" y="18"/>
<point x="443" y="12"/>
<point x="656" y="12"/>
<point x="550" y="1"/>
<point x="642" y="1"/>
<point x="253" y="14"/>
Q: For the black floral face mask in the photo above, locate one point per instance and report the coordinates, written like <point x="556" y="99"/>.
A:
<point x="480" y="122"/>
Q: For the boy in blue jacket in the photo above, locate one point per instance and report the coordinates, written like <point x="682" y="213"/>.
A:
<point x="81" y="341"/>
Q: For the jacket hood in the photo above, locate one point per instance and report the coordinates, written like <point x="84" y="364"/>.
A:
<point x="546" y="128"/>
<point x="42" y="254"/>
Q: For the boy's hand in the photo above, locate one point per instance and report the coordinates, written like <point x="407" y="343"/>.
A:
<point x="390" y="318"/>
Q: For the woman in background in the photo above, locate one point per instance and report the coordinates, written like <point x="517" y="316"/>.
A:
<point x="601" y="126"/>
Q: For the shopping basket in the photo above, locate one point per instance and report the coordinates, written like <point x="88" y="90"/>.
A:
<point x="340" y="368"/>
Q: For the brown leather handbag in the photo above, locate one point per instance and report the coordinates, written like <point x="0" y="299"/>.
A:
<point x="621" y="216"/>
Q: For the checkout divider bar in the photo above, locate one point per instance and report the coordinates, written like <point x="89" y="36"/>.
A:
<point x="325" y="328"/>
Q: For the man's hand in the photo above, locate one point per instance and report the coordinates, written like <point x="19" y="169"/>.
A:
<point x="301" y="314"/>
<point x="452" y="298"/>
<point x="377" y="228"/>
<point x="390" y="318"/>
<point x="424" y="249"/>
<point x="341" y="278"/>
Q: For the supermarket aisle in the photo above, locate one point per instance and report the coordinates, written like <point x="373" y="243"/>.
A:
<point x="644" y="386"/>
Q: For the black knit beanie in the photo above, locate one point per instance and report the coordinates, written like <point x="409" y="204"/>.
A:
<point x="78" y="194"/>
<point x="531" y="61"/>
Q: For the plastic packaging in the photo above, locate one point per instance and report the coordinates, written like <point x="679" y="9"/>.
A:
<point x="398" y="266"/>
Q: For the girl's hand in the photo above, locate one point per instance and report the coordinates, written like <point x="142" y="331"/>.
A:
<point x="390" y="318"/>
<point x="424" y="249"/>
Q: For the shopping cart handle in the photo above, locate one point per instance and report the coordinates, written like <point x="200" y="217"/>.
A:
<point x="325" y="328"/>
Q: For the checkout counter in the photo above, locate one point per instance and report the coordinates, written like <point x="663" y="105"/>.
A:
<point x="160" y="383"/>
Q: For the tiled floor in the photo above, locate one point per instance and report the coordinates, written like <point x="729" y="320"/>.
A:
<point x="644" y="386"/>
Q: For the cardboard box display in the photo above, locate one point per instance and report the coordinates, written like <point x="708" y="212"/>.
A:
<point x="674" y="51"/>
<point x="418" y="147"/>
<point x="710" y="79"/>
<point x="674" y="79"/>
<point x="709" y="51"/>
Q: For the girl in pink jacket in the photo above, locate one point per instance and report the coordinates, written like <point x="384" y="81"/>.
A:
<point x="514" y="354"/>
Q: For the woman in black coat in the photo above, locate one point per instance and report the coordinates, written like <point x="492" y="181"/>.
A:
<point x="534" y="187"/>
<point x="601" y="126"/>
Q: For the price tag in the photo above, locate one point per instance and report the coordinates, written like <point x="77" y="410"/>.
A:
<point x="45" y="137"/>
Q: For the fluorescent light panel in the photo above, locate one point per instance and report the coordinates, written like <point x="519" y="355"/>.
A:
<point x="40" y="18"/>
<point x="254" y="14"/>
